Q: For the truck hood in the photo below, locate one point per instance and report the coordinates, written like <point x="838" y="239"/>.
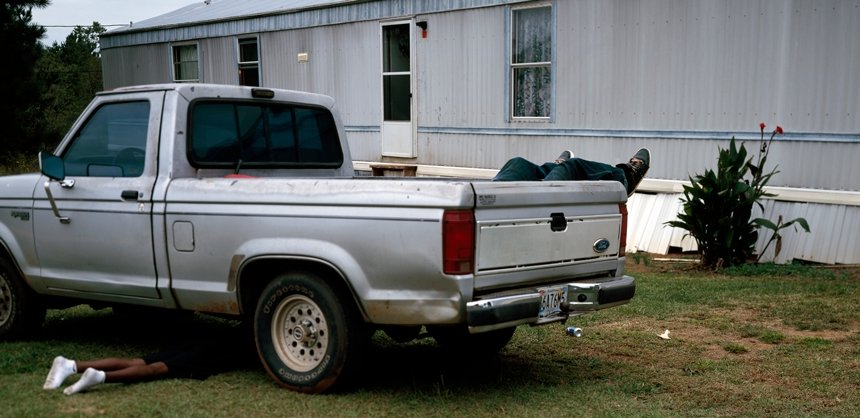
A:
<point x="18" y="186"/>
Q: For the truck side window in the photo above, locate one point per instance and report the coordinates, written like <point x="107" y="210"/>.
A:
<point x="265" y="135"/>
<point x="112" y="143"/>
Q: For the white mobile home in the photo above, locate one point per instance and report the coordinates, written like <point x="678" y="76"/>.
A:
<point x="456" y="87"/>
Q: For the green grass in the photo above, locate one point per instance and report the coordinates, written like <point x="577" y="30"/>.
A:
<point x="772" y="344"/>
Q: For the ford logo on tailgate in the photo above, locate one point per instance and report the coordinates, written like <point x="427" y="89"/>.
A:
<point x="600" y="245"/>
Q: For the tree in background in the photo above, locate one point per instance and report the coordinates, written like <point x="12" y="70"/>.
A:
<point x="70" y="74"/>
<point x="20" y="130"/>
<point x="43" y="89"/>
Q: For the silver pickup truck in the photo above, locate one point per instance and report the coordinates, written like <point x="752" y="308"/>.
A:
<point x="244" y="202"/>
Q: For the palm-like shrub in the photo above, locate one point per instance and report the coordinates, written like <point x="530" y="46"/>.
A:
<point x="717" y="206"/>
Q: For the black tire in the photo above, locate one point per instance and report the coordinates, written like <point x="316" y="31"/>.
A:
<point x="21" y="310"/>
<point x="308" y="337"/>
<point x="458" y="339"/>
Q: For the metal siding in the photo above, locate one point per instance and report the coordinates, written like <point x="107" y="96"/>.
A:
<point x="675" y="76"/>
<point x="801" y="164"/>
<point x="364" y="146"/>
<point x="833" y="238"/>
<point x="461" y="69"/>
<point x="144" y="64"/>
<point x="220" y="62"/>
<point x="343" y="62"/>
<point x="646" y="228"/>
<point x="709" y="65"/>
<point x="700" y="72"/>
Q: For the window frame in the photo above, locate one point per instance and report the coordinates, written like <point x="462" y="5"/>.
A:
<point x="174" y="63"/>
<point x="247" y="65"/>
<point x="75" y="139"/>
<point x="513" y="67"/>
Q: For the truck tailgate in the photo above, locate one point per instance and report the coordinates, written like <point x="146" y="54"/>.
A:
<point x="534" y="225"/>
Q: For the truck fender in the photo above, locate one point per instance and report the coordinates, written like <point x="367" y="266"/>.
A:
<point x="11" y="250"/>
<point x="284" y="254"/>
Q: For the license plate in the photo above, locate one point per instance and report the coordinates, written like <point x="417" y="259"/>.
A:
<point x="551" y="299"/>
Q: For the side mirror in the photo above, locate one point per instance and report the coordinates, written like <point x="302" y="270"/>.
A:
<point x="52" y="166"/>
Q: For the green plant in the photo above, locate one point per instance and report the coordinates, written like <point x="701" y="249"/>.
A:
<point x="718" y="205"/>
<point x="770" y="336"/>
<point x="641" y="258"/>
<point x="760" y="179"/>
<point x="735" y="348"/>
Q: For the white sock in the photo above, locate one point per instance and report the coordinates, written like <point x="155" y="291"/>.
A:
<point x="60" y="370"/>
<point x="90" y="378"/>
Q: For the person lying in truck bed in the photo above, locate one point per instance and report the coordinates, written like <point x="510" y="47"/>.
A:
<point x="568" y="167"/>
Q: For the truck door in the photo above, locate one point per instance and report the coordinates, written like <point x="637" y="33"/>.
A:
<point x="100" y="239"/>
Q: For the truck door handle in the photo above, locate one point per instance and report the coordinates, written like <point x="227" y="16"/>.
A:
<point x="129" y="194"/>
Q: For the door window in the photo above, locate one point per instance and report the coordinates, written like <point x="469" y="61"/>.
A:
<point x="112" y="143"/>
<point x="396" y="82"/>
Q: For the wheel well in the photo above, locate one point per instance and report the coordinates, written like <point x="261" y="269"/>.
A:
<point x="6" y="256"/>
<point x="256" y="275"/>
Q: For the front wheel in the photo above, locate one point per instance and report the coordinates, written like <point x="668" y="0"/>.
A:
<point x="308" y="337"/>
<point x="21" y="311"/>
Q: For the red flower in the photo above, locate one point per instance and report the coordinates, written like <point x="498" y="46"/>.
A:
<point x="779" y="129"/>
<point x="762" y="126"/>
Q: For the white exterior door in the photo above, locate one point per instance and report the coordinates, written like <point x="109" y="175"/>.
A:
<point x="398" y="127"/>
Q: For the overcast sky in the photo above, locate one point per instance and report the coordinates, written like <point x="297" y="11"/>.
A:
<point x="106" y="12"/>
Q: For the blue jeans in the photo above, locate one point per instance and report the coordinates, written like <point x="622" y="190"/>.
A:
<point x="519" y="169"/>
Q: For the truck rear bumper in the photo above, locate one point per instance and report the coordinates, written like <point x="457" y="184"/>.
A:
<point x="531" y="307"/>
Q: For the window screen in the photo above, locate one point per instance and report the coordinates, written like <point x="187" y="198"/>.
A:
<point x="226" y="134"/>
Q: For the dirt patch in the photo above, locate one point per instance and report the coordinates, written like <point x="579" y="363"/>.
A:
<point x="749" y="316"/>
<point x="739" y="332"/>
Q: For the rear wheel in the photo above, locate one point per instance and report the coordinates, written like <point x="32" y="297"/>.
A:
<point x="21" y="311"/>
<point x="308" y="337"/>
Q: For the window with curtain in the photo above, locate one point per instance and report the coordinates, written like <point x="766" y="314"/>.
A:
<point x="531" y="62"/>
<point x="185" y="68"/>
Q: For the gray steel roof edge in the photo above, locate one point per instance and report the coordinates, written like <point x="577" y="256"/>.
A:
<point x="132" y="29"/>
<point x="169" y="33"/>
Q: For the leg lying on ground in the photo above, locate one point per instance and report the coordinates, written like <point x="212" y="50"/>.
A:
<point x="107" y="370"/>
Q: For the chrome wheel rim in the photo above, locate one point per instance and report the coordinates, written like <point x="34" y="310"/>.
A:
<point x="300" y="333"/>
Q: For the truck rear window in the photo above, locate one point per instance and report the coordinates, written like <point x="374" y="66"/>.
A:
<point x="270" y="135"/>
